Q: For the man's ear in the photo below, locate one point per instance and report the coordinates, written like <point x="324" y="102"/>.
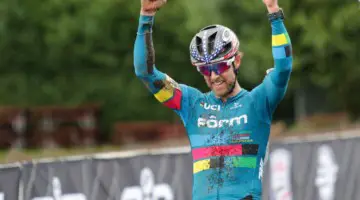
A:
<point x="238" y="58"/>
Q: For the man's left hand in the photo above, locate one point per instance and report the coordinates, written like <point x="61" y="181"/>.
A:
<point x="271" y="5"/>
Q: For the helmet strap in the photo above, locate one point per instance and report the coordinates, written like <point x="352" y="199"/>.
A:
<point x="234" y="83"/>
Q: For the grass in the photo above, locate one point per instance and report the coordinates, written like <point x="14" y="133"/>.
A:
<point x="18" y="155"/>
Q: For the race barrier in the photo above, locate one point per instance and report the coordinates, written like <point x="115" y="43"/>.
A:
<point x="313" y="169"/>
<point x="324" y="168"/>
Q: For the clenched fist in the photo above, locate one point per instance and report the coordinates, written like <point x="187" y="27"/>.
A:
<point x="149" y="7"/>
<point x="271" y="5"/>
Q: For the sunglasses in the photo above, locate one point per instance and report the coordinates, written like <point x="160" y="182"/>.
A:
<point x="217" y="68"/>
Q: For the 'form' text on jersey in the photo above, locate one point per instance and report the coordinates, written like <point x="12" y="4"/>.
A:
<point x="228" y="140"/>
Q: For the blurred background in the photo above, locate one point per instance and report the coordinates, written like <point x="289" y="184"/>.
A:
<point x="68" y="87"/>
<point x="67" y="77"/>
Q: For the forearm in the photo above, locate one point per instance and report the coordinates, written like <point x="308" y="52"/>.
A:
<point x="144" y="54"/>
<point x="165" y="89"/>
<point x="282" y="53"/>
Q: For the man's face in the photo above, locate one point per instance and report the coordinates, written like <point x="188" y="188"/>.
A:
<point x="222" y="84"/>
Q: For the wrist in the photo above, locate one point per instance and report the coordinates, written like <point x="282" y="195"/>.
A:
<point x="147" y="13"/>
<point x="273" y="9"/>
<point x="275" y="15"/>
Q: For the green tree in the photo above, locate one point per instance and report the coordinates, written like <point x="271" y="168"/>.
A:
<point x="325" y="45"/>
<point x="75" y="51"/>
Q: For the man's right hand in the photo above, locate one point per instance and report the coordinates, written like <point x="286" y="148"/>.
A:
<point x="149" y="7"/>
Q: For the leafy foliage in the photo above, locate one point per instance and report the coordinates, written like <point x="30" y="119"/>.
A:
<point x="69" y="52"/>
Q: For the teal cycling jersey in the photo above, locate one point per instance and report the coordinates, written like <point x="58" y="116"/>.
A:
<point x="229" y="139"/>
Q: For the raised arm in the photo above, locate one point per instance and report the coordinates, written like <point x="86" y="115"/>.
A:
<point x="269" y="94"/>
<point x="281" y="48"/>
<point x="165" y="89"/>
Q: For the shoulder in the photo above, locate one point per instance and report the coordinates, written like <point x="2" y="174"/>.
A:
<point x="191" y="93"/>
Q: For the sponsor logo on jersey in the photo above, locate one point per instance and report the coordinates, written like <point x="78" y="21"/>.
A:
<point x="261" y="169"/>
<point x="241" y="138"/>
<point x="236" y="105"/>
<point x="207" y="106"/>
<point x="212" y="122"/>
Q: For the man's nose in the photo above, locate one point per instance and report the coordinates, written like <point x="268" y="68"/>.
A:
<point x="213" y="75"/>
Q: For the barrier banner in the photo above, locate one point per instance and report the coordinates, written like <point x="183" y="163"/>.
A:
<point x="68" y="180"/>
<point x="156" y="177"/>
<point x="9" y="183"/>
<point x="326" y="170"/>
<point x="316" y="170"/>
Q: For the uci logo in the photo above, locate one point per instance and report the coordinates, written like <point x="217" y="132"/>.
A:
<point x="207" y="106"/>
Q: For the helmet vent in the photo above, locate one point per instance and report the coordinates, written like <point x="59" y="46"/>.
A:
<point x="211" y="42"/>
<point x="228" y="46"/>
<point x="198" y="45"/>
<point x="226" y="49"/>
<point x="208" y="27"/>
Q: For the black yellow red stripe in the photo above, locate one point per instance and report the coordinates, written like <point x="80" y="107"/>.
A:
<point x="169" y="94"/>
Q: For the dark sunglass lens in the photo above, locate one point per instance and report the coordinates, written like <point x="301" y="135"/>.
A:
<point x="205" y="70"/>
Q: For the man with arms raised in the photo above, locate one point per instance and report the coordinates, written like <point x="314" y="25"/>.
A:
<point x="228" y="127"/>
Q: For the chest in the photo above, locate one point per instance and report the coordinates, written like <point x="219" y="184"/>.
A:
<point x="222" y="123"/>
<point x="210" y="117"/>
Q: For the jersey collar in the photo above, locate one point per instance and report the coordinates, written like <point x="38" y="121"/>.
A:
<point x="230" y="99"/>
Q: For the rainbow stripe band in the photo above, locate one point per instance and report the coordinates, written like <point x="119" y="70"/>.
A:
<point x="226" y="150"/>
<point x="220" y="162"/>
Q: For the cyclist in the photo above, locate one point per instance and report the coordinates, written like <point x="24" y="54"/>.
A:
<point x="228" y="127"/>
